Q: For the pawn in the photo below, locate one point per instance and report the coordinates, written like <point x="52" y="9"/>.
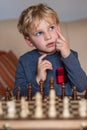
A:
<point x="18" y="96"/>
<point x="74" y="94"/>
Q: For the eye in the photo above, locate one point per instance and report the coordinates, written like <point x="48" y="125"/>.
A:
<point x="38" y="33"/>
<point x="52" y="28"/>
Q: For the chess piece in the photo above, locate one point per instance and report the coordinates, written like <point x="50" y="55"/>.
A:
<point x="86" y="93"/>
<point x="52" y="107"/>
<point x="82" y="108"/>
<point x="24" y="108"/>
<point x="11" y="110"/>
<point x="18" y="96"/>
<point x="6" y="126"/>
<point x="1" y="110"/>
<point x="66" y="113"/>
<point x="7" y="97"/>
<point x="38" y="105"/>
<point x="63" y="91"/>
<point x="42" y="88"/>
<point x="10" y="92"/>
<point x="29" y="95"/>
<point x="51" y="83"/>
<point x="74" y="93"/>
<point x="83" y="126"/>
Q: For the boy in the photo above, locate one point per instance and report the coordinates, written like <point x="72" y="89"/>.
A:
<point x="39" y="25"/>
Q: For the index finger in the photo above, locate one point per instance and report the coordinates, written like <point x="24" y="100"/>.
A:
<point x="42" y="57"/>
<point x="60" y="35"/>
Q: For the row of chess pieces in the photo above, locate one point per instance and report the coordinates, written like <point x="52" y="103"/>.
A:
<point x="9" y="94"/>
<point x="49" y="107"/>
<point x="23" y="106"/>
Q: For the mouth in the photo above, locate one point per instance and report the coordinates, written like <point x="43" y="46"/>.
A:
<point x="51" y="44"/>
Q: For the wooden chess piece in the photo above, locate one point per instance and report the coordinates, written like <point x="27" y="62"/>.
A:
<point x="42" y="88"/>
<point x="86" y="93"/>
<point x="18" y="96"/>
<point x="10" y="92"/>
<point x="63" y="91"/>
<point x="74" y="94"/>
<point x="29" y="95"/>
<point x="38" y="106"/>
<point x="7" y="97"/>
<point x="52" y="113"/>
<point x="51" y="83"/>
<point x="66" y="113"/>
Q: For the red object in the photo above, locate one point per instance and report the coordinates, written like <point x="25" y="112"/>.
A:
<point x="61" y="76"/>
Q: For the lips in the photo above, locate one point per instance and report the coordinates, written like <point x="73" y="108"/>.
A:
<point x="51" y="44"/>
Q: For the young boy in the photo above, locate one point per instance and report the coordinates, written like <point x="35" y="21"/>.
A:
<point x="39" y="25"/>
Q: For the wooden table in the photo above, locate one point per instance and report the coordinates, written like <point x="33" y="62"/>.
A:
<point x="47" y="124"/>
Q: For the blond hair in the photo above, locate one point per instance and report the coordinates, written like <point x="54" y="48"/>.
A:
<point x="30" y="17"/>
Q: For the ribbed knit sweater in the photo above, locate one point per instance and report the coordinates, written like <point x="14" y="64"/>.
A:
<point x="27" y="70"/>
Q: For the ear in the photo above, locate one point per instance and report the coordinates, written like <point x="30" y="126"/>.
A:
<point x="28" y="41"/>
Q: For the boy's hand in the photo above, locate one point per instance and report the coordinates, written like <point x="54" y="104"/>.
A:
<point x="62" y="45"/>
<point x="43" y="65"/>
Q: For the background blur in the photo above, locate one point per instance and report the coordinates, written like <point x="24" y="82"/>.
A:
<point x="68" y="10"/>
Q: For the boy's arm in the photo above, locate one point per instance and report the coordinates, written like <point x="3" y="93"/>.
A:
<point x="22" y="81"/>
<point x="75" y="72"/>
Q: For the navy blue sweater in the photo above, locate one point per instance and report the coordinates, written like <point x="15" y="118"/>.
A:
<point x="27" y="70"/>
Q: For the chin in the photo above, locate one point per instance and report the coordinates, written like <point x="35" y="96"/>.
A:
<point x="51" y="52"/>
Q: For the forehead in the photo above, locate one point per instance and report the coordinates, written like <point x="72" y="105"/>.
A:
<point x="35" y="24"/>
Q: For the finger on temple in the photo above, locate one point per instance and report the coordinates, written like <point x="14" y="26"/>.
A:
<point x="60" y="35"/>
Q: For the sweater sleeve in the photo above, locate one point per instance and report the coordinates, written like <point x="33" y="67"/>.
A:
<point x="22" y="80"/>
<point x="75" y="73"/>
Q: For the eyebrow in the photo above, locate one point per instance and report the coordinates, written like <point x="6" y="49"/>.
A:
<point x="40" y="30"/>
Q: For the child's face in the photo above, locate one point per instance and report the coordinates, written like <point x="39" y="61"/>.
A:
<point x="44" y="37"/>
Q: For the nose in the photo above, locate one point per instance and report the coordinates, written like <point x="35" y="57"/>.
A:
<point x="47" y="36"/>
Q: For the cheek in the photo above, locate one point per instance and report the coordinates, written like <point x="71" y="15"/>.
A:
<point x="55" y="35"/>
<point x="38" y="42"/>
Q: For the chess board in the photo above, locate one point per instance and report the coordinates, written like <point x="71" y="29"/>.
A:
<point x="29" y="121"/>
<point x="73" y="107"/>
